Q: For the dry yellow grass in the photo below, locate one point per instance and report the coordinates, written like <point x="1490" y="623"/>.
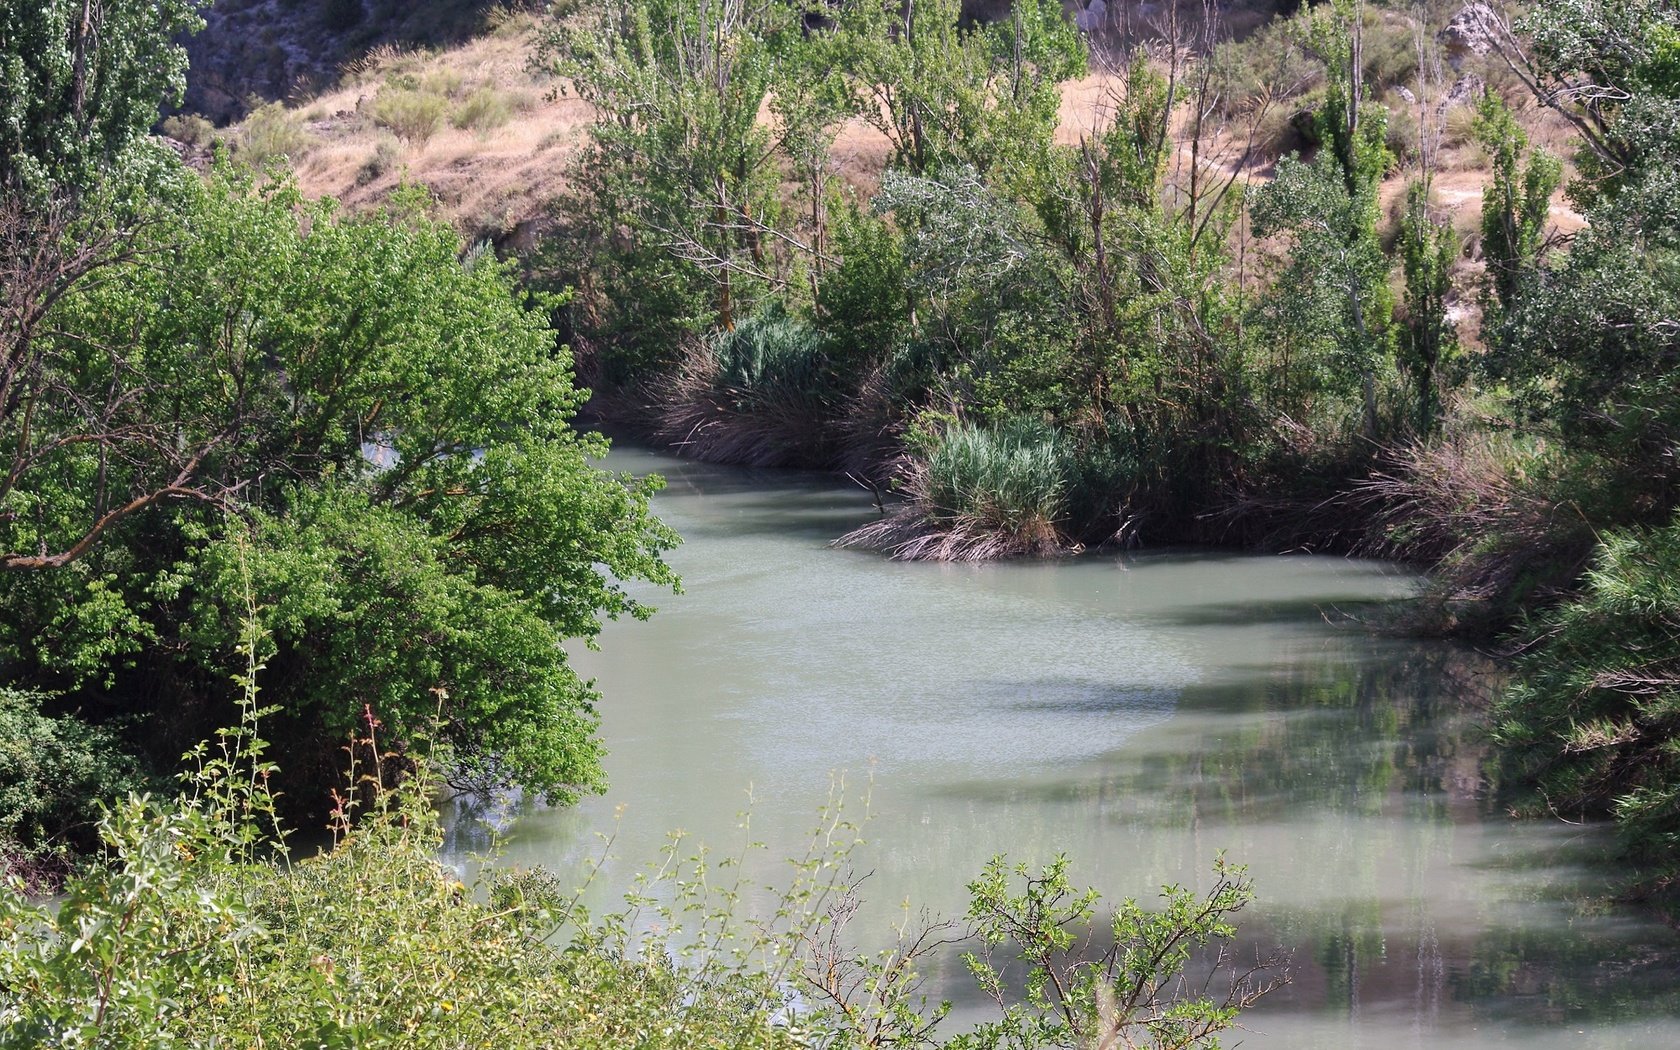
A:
<point x="489" y="181"/>
<point x="498" y="181"/>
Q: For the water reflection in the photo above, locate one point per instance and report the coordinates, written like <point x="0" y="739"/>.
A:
<point x="1141" y="714"/>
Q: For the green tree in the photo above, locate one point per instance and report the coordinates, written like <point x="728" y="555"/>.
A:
<point x="1332" y="295"/>
<point x="81" y="82"/>
<point x="1589" y="342"/>
<point x="679" y="185"/>
<point x="1428" y="337"/>
<point x="949" y="93"/>
<point x="1516" y="202"/>
<point x="343" y="415"/>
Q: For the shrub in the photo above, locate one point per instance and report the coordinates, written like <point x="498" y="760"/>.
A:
<point x="199" y="930"/>
<point x="773" y="350"/>
<point x="269" y="135"/>
<point x="1592" y="727"/>
<point x="978" y="492"/>
<point x="764" y="394"/>
<point x="52" y="772"/>
<point x="410" y="114"/>
<point x="190" y="128"/>
<point x="486" y="109"/>
<point x="387" y="154"/>
<point x="864" y="299"/>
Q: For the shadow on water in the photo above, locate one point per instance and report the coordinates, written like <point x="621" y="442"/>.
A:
<point x="1142" y="712"/>
<point x="1353" y="785"/>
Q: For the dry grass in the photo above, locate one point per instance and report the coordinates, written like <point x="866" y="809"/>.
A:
<point x="1486" y="516"/>
<point x="489" y="174"/>
<point x="698" y="414"/>
<point x="499" y="157"/>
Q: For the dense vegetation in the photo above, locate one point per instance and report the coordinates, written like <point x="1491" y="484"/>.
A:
<point x="241" y="425"/>
<point x="218" y="396"/>
<point x="333" y="451"/>
<point x="1043" y="344"/>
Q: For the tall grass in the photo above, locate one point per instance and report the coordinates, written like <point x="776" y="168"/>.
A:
<point x="764" y="394"/>
<point x="978" y="492"/>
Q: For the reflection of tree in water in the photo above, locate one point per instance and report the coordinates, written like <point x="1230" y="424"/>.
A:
<point x="1346" y="727"/>
<point x="1362" y="762"/>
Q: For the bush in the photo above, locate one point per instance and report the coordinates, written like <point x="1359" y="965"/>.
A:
<point x="765" y="394"/>
<point x="978" y="492"/>
<point x="270" y="135"/>
<point x="864" y="300"/>
<point x="386" y="156"/>
<point x="190" y="128"/>
<point x="1592" y="728"/>
<point x="773" y="351"/>
<point x="192" y="932"/>
<point x="52" y="772"/>
<point x="484" y="110"/>
<point x="411" y="114"/>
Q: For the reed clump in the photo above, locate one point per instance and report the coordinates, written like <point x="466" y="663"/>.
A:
<point x="978" y="491"/>
<point x="763" y="394"/>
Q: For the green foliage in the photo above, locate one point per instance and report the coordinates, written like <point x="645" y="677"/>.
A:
<point x="190" y="128"/>
<point x="976" y="492"/>
<point x="771" y="349"/>
<point x="1516" y="202"/>
<point x="270" y="135"/>
<point x="1331" y="303"/>
<point x="945" y="93"/>
<point x="1010" y="475"/>
<point x="1593" y="726"/>
<point x="486" y="109"/>
<point x="1610" y="67"/>
<point x="864" y="301"/>
<point x="678" y="185"/>
<point x="375" y="431"/>
<point x="1428" y="338"/>
<point x="198" y="928"/>
<point x="412" y="114"/>
<point x="52" y="769"/>
<point x="78" y="93"/>
<point x="1077" y="992"/>
<point x="1588" y="341"/>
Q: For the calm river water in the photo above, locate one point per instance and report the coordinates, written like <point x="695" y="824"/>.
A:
<point x="1140" y="713"/>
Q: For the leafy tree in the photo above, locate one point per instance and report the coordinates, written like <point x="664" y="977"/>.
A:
<point x="81" y="82"/>
<point x="1590" y="341"/>
<point x="1612" y="69"/>
<point x="945" y="92"/>
<point x="53" y="771"/>
<point x="340" y="420"/>
<point x="1332" y="294"/>
<point x="1427" y="251"/>
<point x="679" y="185"/>
<point x="1516" y="202"/>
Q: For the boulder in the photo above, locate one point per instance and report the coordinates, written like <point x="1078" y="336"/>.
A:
<point x="1474" y="30"/>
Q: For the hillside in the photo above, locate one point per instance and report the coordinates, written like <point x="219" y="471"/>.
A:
<point x="255" y="51"/>
<point x="491" y="138"/>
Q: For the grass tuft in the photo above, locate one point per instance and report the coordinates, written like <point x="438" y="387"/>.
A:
<point x="976" y="493"/>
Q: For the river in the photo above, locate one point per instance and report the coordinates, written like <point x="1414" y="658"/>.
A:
<point x="1140" y="712"/>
